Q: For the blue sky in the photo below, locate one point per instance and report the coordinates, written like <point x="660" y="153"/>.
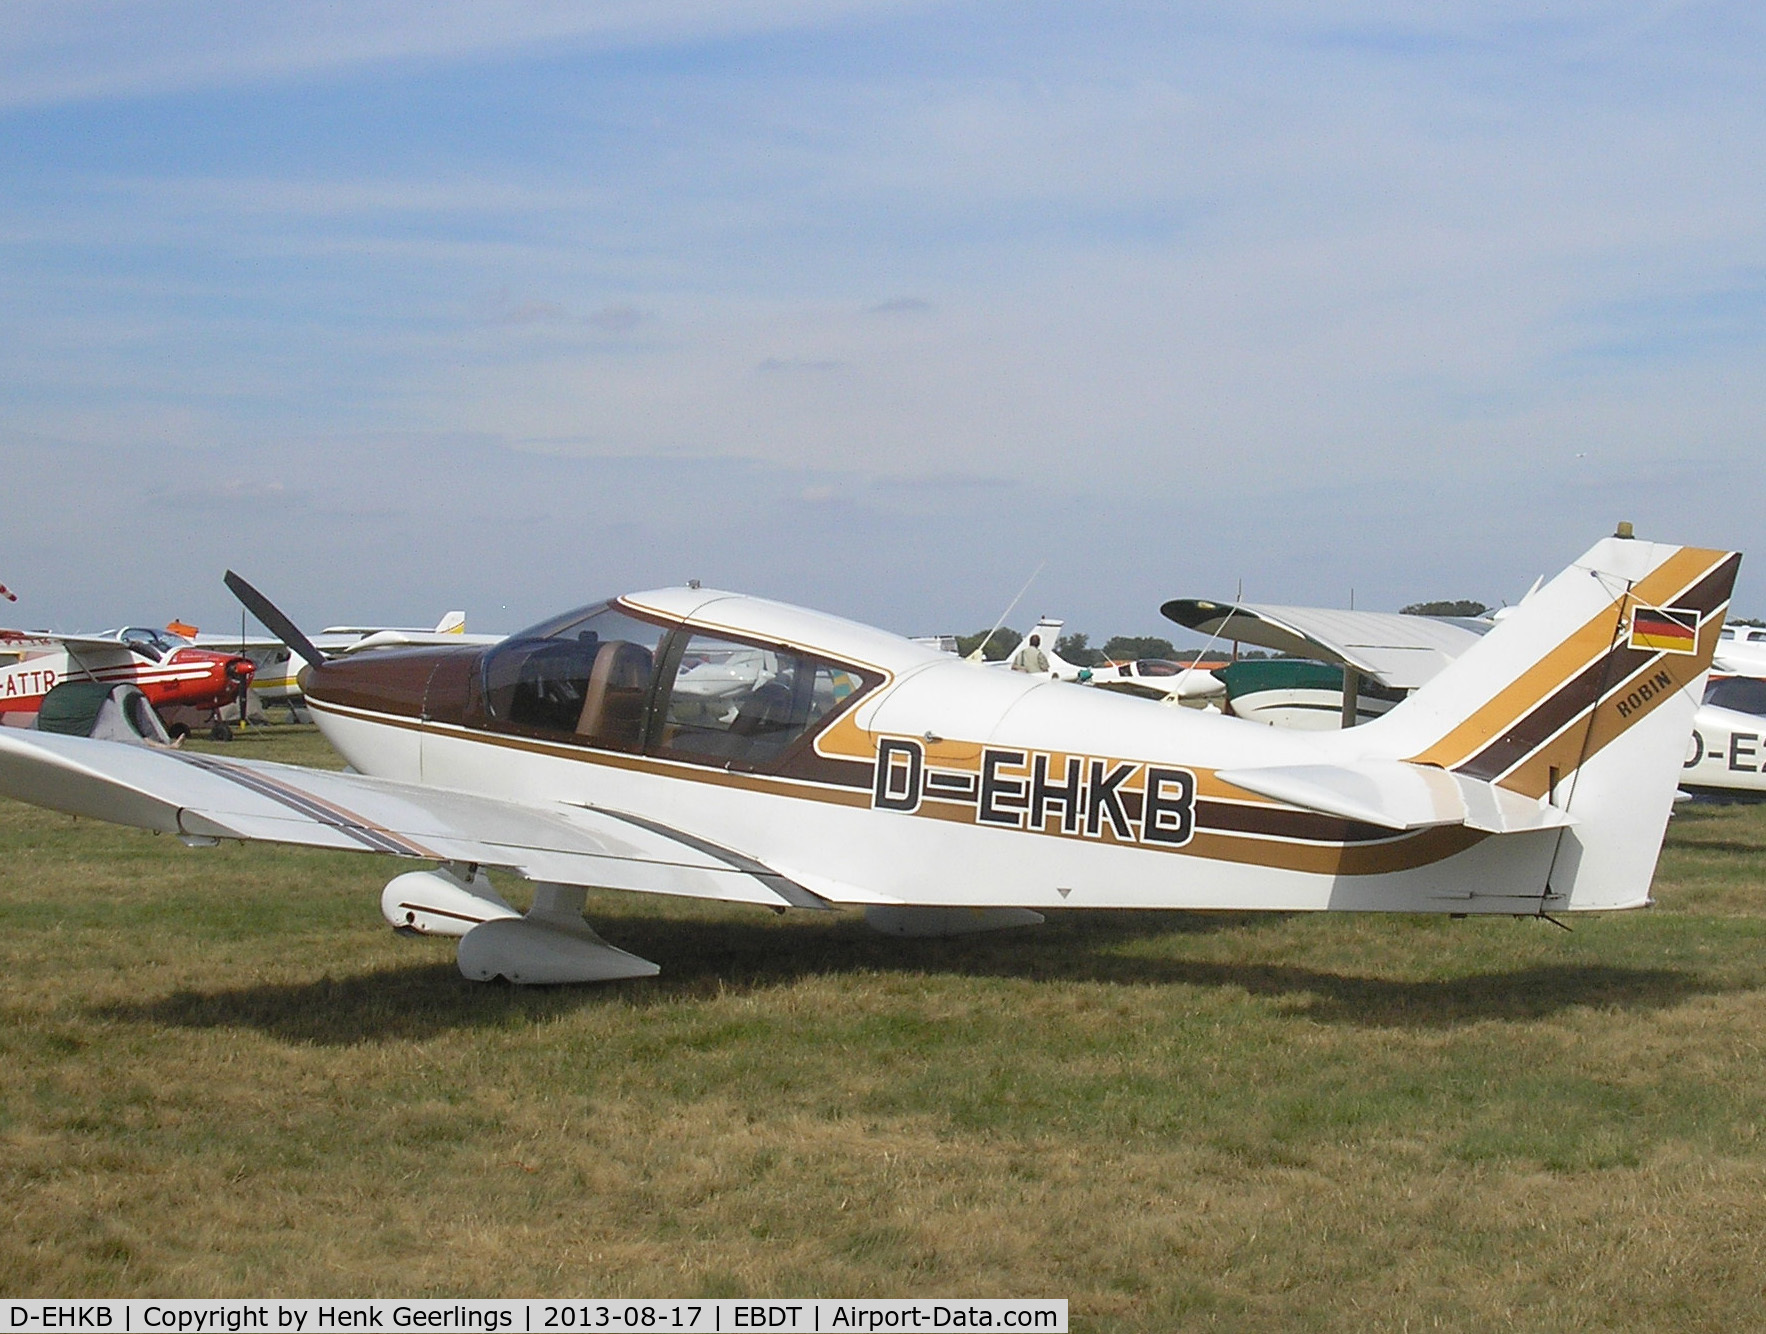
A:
<point x="872" y="306"/>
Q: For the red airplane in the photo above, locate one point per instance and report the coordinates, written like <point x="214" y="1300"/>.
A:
<point x="170" y="672"/>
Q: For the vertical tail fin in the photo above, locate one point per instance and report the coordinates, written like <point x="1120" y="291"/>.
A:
<point x="1583" y="697"/>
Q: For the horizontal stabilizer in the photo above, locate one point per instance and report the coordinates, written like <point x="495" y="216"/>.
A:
<point x="1394" y="794"/>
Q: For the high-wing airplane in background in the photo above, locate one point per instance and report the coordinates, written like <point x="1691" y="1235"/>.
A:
<point x="1533" y="775"/>
<point x="1338" y="668"/>
<point x="169" y="671"/>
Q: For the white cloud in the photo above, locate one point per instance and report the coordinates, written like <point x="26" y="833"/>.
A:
<point x="65" y="50"/>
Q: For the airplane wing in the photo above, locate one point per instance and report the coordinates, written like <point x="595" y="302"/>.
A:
<point x="26" y="639"/>
<point x="406" y="638"/>
<point x="204" y="797"/>
<point x="236" y="643"/>
<point x="1394" y="650"/>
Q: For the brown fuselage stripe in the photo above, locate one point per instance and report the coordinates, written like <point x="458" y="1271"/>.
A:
<point x="1394" y="851"/>
<point x="1244" y="834"/>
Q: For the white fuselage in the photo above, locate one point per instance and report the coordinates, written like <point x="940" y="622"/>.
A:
<point x="964" y="836"/>
<point x="1727" y="752"/>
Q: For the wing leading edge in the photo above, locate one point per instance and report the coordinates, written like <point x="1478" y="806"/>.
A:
<point x="201" y="797"/>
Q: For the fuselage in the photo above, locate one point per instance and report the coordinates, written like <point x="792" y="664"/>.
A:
<point x="874" y="770"/>
<point x="1727" y="753"/>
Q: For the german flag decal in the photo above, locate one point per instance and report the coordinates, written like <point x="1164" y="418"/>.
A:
<point x="1666" y="630"/>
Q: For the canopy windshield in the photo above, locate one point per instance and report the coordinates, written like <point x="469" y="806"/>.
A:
<point x="586" y="674"/>
<point x="599" y="676"/>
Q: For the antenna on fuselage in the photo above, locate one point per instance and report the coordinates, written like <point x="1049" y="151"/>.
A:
<point x="272" y="619"/>
<point x="975" y="655"/>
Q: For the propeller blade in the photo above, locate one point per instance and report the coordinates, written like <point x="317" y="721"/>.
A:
<point x="272" y="619"/>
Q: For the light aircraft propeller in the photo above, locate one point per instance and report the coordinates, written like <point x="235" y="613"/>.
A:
<point x="272" y="618"/>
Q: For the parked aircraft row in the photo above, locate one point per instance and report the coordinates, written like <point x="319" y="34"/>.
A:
<point x="691" y="742"/>
<point x="169" y="671"/>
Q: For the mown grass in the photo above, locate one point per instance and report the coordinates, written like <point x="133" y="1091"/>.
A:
<point x="220" y="1073"/>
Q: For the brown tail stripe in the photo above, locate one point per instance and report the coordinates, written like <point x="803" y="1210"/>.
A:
<point x="1674" y="582"/>
<point x="1651" y="685"/>
<point x="1576" y="696"/>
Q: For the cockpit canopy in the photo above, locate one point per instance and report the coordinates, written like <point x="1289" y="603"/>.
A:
<point x="150" y="644"/>
<point x="600" y="676"/>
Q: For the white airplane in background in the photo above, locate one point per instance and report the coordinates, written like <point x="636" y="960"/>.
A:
<point x="1741" y="650"/>
<point x="1727" y="755"/>
<point x="1148" y="678"/>
<point x="1533" y="775"/>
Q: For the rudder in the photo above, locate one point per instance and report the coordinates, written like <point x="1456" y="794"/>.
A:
<point x="1583" y="697"/>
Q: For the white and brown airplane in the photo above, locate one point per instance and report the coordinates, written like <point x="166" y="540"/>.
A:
<point x="844" y="766"/>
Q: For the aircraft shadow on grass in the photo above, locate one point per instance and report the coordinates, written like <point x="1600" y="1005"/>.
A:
<point x="708" y="959"/>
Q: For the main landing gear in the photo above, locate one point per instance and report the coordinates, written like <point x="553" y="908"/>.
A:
<point x="551" y="944"/>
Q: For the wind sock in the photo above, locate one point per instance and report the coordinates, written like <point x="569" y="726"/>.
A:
<point x="8" y="594"/>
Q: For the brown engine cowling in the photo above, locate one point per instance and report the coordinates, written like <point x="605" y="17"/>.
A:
<point x="435" y="683"/>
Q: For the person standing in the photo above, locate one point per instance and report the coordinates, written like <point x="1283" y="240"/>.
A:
<point x="1030" y="657"/>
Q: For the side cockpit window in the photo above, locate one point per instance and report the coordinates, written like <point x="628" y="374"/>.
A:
<point x="738" y="704"/>
<point x="584" y="678"/>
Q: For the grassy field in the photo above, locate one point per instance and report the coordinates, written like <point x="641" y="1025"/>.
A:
<point x="221" y="1074"/>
